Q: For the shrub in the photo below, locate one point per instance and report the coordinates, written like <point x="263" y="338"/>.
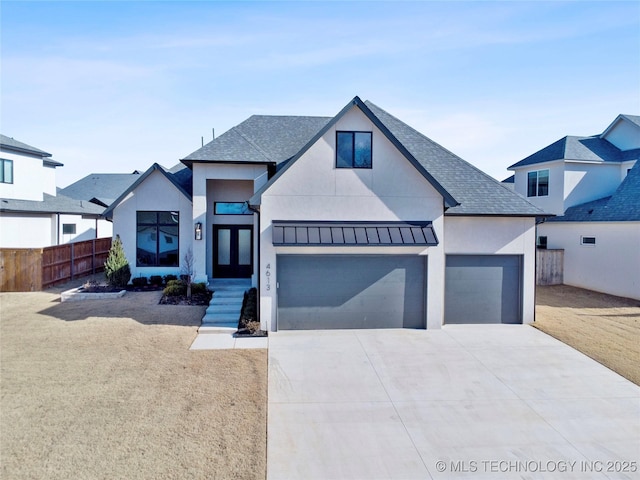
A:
<point x="249" y="312"/>
<point x="173" y="283"/>
<point x="139" y="282"/>
<point x="198" y="288"/>
<point x="168" y="278"/>
<point x="155" y="280"/>
<point x="116" y="267"/>
<point x="174" y="289"/>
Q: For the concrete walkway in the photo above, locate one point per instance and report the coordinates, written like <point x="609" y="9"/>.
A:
<point x="487" y="401"/>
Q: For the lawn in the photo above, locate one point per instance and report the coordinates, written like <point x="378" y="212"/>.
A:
<point x="604" y="327"/>
<point x="109" y="389"/>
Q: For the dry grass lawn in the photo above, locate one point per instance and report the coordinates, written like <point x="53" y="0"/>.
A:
<point x="604" y="327"/>
<point x="109" y="389"/>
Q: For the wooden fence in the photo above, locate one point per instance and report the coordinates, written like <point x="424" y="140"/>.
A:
<point x="28" y="270"/>
<point x="549" y="267"/>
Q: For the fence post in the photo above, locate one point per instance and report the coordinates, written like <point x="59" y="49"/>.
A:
<point x="93" y="256"/>
<point x="72" y="260"/>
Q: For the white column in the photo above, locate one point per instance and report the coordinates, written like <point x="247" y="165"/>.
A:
<point x="200" y="216"/>
<point x="435" y="278"/>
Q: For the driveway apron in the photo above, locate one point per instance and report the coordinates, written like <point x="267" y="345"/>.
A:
<point x="466" y="401"/>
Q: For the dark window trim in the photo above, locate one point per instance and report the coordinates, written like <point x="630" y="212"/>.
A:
<point x="353" y="149"/>
<point x="158" y="224"/>
<point x="2" y="162"/>
<point x="245" y="204"/>
<point x="536" y="191"/>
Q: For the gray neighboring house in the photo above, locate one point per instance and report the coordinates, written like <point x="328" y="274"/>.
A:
<point x="351" y="221"/>
<point x="592" y="184"/>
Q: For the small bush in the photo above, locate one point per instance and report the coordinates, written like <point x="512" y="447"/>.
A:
<point x="169" y="278"/>
<point x="139" y="282"/>
<point x="198" y="288"/>
<point x="155" y="280"/>
<point x="175" y="289"/>
<point x="173" y="283"/>
<point x="249" y="313"/>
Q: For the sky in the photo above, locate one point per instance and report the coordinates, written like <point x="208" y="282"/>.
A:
<point x="112" y="87"/>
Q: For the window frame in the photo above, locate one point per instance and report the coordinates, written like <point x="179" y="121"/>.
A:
<point x="158" y="232"/>
<point x="353" y="134"/>
<point x="64" y="225"/>
<point x="537" y="187"/>
<point x="244" y="204"/>
<point x="3" y="162"/>
<point x="543" y="241"/>
<point x="586" y="240"/>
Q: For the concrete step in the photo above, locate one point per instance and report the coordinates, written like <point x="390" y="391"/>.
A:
<point x="217" y="329"/>
<point x="218" y="318"/>
<point x="226" y="300"/>
<point x="231" y="309"/>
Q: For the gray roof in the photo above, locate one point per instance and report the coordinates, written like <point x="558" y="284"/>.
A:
<point x="632" y="118"/>
<point x="592" y="149"/>
<point x="476" y="192"/>
<point x="260" y="139"/>
<point x="622" y="206"/>
<point x="51" y="204"/>
<point x="511" y="179"/>
<point x="179" y="176"/>
<point x="104" y="187"/>
<point x="12" y="144"/>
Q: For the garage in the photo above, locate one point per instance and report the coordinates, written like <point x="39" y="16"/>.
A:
<point x="351" y="291"/>
<point x="483" y="289"/>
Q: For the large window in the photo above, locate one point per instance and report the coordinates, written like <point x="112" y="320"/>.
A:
<point x="6" y="171"/>
<point x="157" y="239"/>
<point x="353" y="149"/>
<point x="538" y="183"/>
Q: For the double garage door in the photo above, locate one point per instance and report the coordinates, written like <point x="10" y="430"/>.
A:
<point x="389" y="291"/>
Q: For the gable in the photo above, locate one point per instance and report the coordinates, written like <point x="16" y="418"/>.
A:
<point x="624" y="132"/>
<point x="391" y="176"/>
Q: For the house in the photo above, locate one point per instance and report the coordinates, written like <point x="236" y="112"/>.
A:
<point x="593" y="185"/>
<point x="32" y="214"/>
<point x="352" y="221"/>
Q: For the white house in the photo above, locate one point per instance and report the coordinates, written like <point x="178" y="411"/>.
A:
<point x="591" y="183"/>
<point x="32" y="215"/>
<point x="353" y="221"/>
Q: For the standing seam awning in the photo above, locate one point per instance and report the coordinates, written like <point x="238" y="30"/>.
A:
<point x="286" y="233"/>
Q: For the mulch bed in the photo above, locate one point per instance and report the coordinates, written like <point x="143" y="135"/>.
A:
<point x="196" y="299"/>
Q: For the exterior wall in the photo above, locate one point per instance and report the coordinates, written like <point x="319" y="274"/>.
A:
<point x="156" y="193"/>
<point x="30" y="178"/>
<point x="624" y="135"/>
<point x="497" y="236"/>
<point x="86" y="228"/>
<point x="27" y="231"/>
<point x="584" y="182"/>
<point x="610" y="266"/>
<point x="552" y="203"/>
<point x="313" y="189"/>
<point x="203" y="195"/>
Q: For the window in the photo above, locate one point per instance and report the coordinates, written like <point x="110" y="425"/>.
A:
<point x="587" y="240"/>
<point x="231" y="208"/>
<point x="538" y="183"/>
<point x="157" y="239"/>
<point x="6" y="171"/>
<point x="68" y="228"/>
<point x="542" y="242"/>
<point x="353" y="149"/>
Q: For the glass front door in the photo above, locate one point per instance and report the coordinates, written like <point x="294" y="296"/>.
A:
<point x="232" y="251"/>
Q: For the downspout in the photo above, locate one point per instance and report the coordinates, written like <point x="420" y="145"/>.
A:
<point x="256" y="210"/>
<point x="58" y="229"/>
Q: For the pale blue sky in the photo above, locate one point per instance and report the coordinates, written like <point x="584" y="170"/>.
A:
<point x="116" y="86"/>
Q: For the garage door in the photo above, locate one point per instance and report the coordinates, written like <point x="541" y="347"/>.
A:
<point x="350" y="291"/>
<point x="483" y="289"/>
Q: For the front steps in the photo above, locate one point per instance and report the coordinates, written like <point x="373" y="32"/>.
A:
<point x="223" y="312"/>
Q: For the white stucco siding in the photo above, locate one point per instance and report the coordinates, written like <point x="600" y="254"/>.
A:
<point x="27" y="231"/>
<point x="552" y="203"/>
<point x="497" y="236"/>
<point x="30" y="178"/>
<point x="85" y="228"/>
<point x="584" y="182"/>
<point x="314" y="189"/>
<point x="610" y="266"/>
<point x="156" y="193"/>
<point x="624" y="135"/>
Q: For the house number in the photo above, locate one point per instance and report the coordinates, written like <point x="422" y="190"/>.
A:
<point x="267" y="274"/>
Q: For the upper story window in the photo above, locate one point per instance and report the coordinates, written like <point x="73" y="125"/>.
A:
<point x="538" y="183"/>
<point x="68" y="228"/>
<point x="353" y="149"/>
<point x="6" y="171"/>
<point x="231" y="208"/>
<point x="157" y="239"/>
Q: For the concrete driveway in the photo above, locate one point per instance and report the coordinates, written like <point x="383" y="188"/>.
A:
<point x="488" y="401"/>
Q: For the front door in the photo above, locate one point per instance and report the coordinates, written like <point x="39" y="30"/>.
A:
<point x="232" y="251"/>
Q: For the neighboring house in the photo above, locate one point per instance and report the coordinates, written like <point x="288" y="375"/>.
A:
<point x="354" y="221"/>
<point x="31" y="214"/>
<point x="593" y="185"/>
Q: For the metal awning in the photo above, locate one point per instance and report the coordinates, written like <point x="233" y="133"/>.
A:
<point x="290" y="233"/>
